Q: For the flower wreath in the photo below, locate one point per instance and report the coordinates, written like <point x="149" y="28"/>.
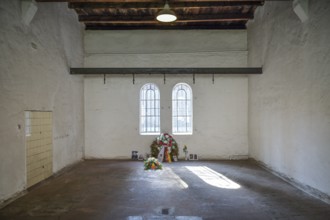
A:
<point x="164" y="139"/>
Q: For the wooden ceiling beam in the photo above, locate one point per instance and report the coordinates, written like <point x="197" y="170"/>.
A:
<point x="97" y="1"/>
<point x="142" y="22"/>
<point x="241" y="1"/>
<point x="159" y="5"/>
<point x="158" y="1"/>
<point x="152" y="19"/>
<point x="200" y="26"/>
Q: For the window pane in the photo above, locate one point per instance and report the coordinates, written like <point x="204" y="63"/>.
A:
<point x="182" y="109"/>
<point x="149" y="109"/>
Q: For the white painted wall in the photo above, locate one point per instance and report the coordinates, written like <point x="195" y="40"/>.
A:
<point x="112" y="116"/>
<point x="289" y="104"/>
<point x="34" y="75"/>
<point x="167" y="48"/>
<point x="112" y="109"/>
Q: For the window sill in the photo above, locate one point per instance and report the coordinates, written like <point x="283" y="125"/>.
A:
<point x="150" y="133"/>
<point x="182" y="133"/>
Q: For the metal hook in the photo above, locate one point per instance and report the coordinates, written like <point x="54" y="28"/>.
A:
<point x="164" y="78"/>
<point x="104" y="79"/>
<point x="194" y="78"/>
<point x="213" y="78"/>
<point x="133" y="78"/>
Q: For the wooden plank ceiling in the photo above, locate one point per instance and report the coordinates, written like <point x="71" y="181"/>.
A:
<point x="141" y="14"/>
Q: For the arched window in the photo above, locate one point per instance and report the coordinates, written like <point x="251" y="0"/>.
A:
<point x="149" y="109"/>
<point x="182" y="112"/>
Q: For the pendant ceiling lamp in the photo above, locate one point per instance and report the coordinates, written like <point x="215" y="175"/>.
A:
<point x="166" y="15"/>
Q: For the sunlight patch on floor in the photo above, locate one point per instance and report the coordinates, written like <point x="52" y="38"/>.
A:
<point x="213" y="178"/>
<point x="182" y="184"/>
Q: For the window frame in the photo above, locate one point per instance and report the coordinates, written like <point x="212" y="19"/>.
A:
<point x="175" y="102"/>
<point x="144" y="130"/>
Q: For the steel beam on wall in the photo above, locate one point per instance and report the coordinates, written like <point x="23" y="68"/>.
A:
<point x="227" y="70"/>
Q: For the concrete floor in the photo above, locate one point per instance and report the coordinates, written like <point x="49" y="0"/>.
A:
<point x="186" y="190"/>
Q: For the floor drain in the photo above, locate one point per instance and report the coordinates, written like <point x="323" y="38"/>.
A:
<point x="165" y="211"/>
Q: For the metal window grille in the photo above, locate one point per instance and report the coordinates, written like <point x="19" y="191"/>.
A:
<point x="149" y="109"/>
<point x="182" y="112"/>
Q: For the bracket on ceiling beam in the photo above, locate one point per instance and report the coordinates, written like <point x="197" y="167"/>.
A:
<point x="170" y="71"/>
